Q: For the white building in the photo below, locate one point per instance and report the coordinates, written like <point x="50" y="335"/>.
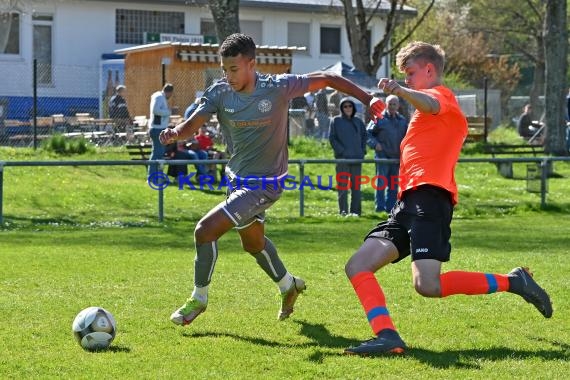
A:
<point x="72" y="39"/>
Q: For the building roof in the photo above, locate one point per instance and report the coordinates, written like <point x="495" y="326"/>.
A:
<point x="322" y="6"/>
<point x="197" y="46"/>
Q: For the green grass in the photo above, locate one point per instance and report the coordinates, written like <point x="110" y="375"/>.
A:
<point x="80" y="236"/>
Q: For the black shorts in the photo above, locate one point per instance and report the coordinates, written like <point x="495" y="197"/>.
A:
<point x="419" y="224"/>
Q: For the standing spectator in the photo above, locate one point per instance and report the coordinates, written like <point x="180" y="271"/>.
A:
<point x="568" y="106"/>
<point x="385" y="136"/>
<point x="159" y="119"/>
<point x="348" y="140"/>
<point x="322" y="113"/>
<point x="118" y="110"/>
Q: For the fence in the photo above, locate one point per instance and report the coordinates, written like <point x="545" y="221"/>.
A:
<point x="544" y="162"/>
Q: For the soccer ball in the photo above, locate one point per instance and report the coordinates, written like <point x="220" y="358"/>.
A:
<point x="94" y="328"/>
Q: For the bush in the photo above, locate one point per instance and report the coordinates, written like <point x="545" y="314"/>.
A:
<point x="60" y="144"/>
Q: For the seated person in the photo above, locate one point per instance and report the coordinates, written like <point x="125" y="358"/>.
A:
<point x="182" y="151"/>
<point x="206" y="144"/>
<point x="525" y="126"/>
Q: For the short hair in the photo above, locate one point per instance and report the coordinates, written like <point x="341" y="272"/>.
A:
<point x="168" y="87"/>
<point x="422" y="52"/>
<point x="390" y="97"/>
<point x="236" y="44"/>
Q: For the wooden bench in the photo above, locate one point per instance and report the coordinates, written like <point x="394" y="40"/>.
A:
<point x="142" y="151"/>
<point x="476" y="128"/>
<point x="139" y="152"/>
<point x="506" y="168"/>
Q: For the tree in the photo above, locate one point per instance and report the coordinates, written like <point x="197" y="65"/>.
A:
<point x="226" y="17"/>
<point x="469" y="55"/>
<point x="516" y="28"/>
<point x="556" y="53"/>
<point x="357" y="21"/>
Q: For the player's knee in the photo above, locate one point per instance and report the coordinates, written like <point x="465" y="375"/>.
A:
<point x="427" y="288"/>
<point x="202" y="234"/>
<point x="253" y="247"/>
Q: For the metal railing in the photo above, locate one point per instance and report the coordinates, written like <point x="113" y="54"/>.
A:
<point x="544" y="163"/>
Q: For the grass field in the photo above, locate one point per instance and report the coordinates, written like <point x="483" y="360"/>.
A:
<point x="80" y="236"/>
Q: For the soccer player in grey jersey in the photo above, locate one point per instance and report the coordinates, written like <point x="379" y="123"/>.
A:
<point x="252" y="110"/>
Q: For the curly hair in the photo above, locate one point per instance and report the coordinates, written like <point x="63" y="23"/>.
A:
<point x="236" y="44"/>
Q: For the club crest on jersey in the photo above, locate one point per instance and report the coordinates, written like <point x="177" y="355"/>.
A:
<point x="264" y="106"/>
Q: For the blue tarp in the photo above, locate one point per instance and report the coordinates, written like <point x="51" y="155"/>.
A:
<point x="349" y="72"/>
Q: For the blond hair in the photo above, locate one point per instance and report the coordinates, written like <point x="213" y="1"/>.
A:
<point x="422" y="53"/>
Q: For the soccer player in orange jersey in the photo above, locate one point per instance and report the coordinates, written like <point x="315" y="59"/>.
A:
<point x="419" y="224"/>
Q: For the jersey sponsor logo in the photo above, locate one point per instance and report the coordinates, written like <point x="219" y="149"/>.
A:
<point x="422" y="250"/>
<point x="229" y="110"/>
<point x="237" y="215"/>
<point x="264" y="106"/>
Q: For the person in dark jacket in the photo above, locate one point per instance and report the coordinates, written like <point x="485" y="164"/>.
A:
<point x="385" y="136"/>
<point x="347" y="136"/>
<point x="118" y="110"/>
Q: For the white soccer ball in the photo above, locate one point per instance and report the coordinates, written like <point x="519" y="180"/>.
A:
<point x="94" y="328"/>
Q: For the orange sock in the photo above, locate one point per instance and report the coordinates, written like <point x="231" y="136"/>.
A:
<point x="373" y="301"/>
<point x="471" y="283"/>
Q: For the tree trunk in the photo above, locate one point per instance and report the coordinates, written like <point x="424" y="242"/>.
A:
<point x="538" y="81"/>
<point x="226" y="17"/>
<point x="556" y="51"/>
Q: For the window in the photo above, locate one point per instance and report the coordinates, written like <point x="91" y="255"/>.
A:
<point x="42" y="45"/>
<point x="130" y="24"/>
<point x="253" y="29"/>
<point x="208" y="30"/>
<point x="299" y="34"/>
<point x="330" y="40"/>
<point x="9" y="33"/>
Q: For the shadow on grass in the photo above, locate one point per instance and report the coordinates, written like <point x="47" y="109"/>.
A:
<point x="469" y="358"/>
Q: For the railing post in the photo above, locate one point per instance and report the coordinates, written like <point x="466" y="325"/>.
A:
<point x="543" y="179"/>
<point x="1" y="191"/>
<point x="301" y="189"/>
<point x="161" y="195"/>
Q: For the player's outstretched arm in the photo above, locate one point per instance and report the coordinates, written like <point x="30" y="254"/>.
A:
<point x="184" y="130"/>
<point x="322" y="79"/>
<point x="420" y="100"/>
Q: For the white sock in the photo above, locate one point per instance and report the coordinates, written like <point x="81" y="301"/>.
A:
<point x="285" y="283"/>
<point x="201" y="294"/>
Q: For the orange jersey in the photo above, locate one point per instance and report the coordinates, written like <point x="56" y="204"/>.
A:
<point x="431" y="147"/>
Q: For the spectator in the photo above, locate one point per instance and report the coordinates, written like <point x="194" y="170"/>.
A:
<point x="118" y="110"/>
<point x="348" y="140"/>
<point x="185" y="151"/>
<point x="159" y="118"/>
<point x="206" y="144"/>
<point x="525" y="126"/>
<point x="568" y="106"/>
<point x="385" y="136"/>
<point x="322" y="113"/>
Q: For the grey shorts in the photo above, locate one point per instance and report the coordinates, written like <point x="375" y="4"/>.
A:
<point x="246" y="202"/>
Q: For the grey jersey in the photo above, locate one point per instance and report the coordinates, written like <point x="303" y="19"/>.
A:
<point x="255" y="125"/>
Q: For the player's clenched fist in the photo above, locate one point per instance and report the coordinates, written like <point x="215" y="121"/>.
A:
<point x="389" y="86"/>
<point x="168" y="136"/>
<point x="377" y="106"/>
